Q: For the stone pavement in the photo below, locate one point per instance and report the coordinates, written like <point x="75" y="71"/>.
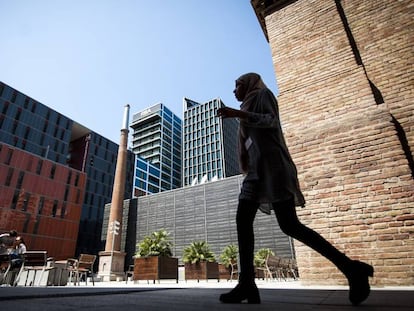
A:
<point x="192" y="295"/>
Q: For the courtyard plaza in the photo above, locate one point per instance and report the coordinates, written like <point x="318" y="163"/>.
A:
<point x="193" y="295"/>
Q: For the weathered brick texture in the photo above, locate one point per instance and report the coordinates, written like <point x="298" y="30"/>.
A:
<point x="383" y="31"/>
<point x="352" y="159"/>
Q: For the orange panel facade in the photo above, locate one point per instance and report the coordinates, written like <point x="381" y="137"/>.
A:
<point x="41" y="200"/>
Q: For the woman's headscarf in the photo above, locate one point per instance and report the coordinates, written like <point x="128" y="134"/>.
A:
<point x="254" y="84"/>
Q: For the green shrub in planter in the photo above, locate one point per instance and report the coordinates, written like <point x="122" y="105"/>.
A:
<point x="156" y="244"/>
<point x="198" y="251"/>
<point x="261" y="255"/>
<point x="229" y="255"/>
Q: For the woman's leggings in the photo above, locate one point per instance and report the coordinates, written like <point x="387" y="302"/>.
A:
<point x="289" y="223"/>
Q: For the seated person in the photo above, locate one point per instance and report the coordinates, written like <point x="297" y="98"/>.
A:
<point x="17" y="252"/>
<point x="7" y="241"/>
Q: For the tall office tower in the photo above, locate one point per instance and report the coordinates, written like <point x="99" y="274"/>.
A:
<point x="210" y="143"/>
<point x="156" y="141"/>
<point x="36" y="131"/>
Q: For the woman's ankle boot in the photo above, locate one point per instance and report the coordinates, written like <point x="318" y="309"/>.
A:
<point x="242" y="291"/>
<point x="357" y="274"/>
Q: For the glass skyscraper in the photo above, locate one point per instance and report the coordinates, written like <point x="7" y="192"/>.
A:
<point x="156" y="140"/>
<point x="209" y="144"/>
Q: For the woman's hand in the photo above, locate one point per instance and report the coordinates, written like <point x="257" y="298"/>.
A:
<point x="227" y="112"/>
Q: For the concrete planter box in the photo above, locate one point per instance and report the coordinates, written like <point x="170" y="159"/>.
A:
<point x="155" y="268"/>
<point x="203" y="270"/>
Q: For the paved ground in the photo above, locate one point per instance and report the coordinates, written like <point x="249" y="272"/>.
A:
<point x="200" y="296"/>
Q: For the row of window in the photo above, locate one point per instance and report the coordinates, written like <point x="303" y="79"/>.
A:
<point x="213" y="130"/>
<point x="104" y="153"/>
<point x="201" y="151"/>
<point x="204" y="142"/>
<point x="29" y="105"/>
<point x="197" y="161"/>
<point x="203" y="169"/>
<point x="188" y="180"/>
<point x="194" y="108"/>
<point x="51" y="118"/>
<point x="22" y="199"/>
<point x="45" y="152"/>
<point x="191" y="127"/>
<point x="38" y="169"/>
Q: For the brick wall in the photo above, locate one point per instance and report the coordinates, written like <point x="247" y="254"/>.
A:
<point x="343" y="131"/>
<point x="383" y="31"/>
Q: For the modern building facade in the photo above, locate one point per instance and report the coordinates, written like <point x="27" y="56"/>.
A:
<point x="204" y="212"/>
<point x="156" y="141"/>
<point x="41" y="200"/>
<point x="347" y="103"/>
<point x="33" y="128"/>
<point x="209" y="144"/>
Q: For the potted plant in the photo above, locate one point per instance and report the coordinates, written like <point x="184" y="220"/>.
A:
<point x="200" y="262"/>
<point x="260" y="261"/>
<point x="153" y="260"/>
<point x="228" y="259"/>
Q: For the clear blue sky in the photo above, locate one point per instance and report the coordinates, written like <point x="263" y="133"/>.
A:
<point x="88" y="58"/>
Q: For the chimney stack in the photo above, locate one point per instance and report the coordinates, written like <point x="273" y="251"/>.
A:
<point x="111" y="260"/>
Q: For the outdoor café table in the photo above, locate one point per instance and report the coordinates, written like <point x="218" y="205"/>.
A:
<point x="61" y="272"/>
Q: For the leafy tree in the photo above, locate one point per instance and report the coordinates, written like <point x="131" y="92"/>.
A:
<point x="198" y="251"/>
<point x="156" y="244"/>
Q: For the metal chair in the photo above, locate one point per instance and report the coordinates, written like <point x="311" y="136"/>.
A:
<point x="129" y="272"/>
<point x="34" y="262"/>
<point x="81" y="268"/>
<point x="234" y="270"/>
<point x="5" y="267"/>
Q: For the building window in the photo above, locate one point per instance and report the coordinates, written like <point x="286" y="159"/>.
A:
<point x="40" y="206"/>
<point x="15" y="199"/>
<point x="26" y="201"/>
<point x="5" y="107"/>
<point x="20" y="180"/>
<point x="26" y="133"/>
<point x="14" y="96"/>
<point x="9" y="176"/>
<point x="77" y="196"/>
<point x="26" y="103"/>
<point x="18" y="114"/>
<point x="63" y="210"/>
<point x="54" y="209"/>
<point x="65" y="198"/>
<point x="14" y="128"/>
<point x="52" y="171"/>
<point x="39" y="167"/>
<point x="69" y="177"/>
<point x="76" y="180"/>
